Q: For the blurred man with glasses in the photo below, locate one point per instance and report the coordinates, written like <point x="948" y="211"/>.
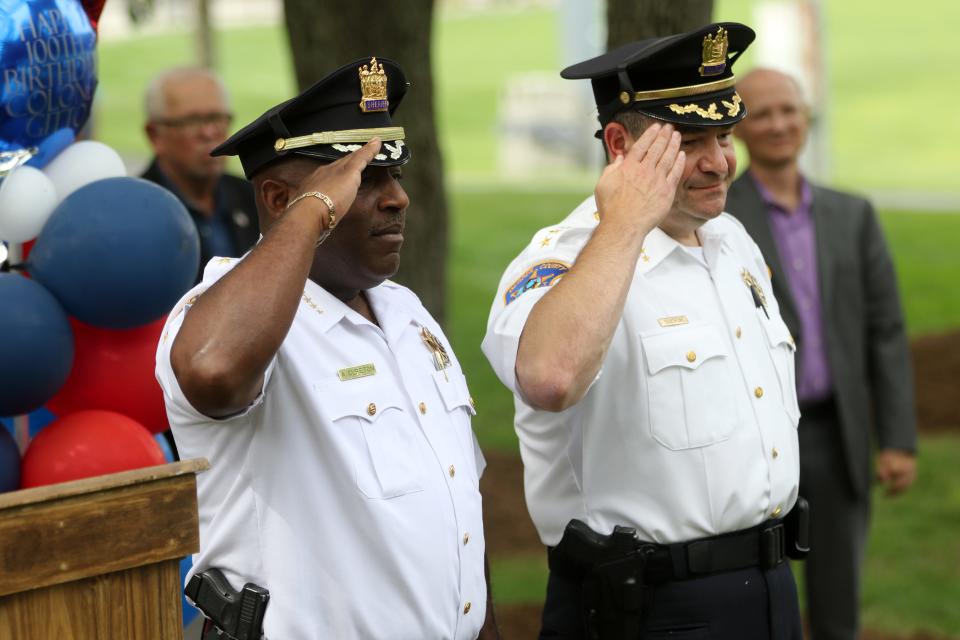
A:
<point x="187" y="116"/>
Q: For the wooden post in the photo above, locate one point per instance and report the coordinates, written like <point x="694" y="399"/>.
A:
<point x="98" y="558"/>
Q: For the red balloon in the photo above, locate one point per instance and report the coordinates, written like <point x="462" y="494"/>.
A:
<point x="87" y="444"/>
<point x="113" y="370"/>
<point x="93" y="9"/>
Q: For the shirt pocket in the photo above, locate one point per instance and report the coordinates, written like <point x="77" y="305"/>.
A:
<point x="782" y="354"/>
<point x="690" y="387"/>
<point x="386" y="461"/>
<point x="452" y="388"/>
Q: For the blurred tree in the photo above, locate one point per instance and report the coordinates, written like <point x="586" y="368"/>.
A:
<point x="324" y="35"/>
<point x="629" y="20"/>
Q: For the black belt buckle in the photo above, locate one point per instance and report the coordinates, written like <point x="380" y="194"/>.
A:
<point x="773" y="545"/>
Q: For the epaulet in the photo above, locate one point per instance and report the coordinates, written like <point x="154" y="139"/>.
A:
<point x="729" y="218"/>
<point x="217" y="267"/>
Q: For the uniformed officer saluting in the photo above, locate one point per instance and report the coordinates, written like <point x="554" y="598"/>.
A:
<point x="336" y="418"/>
<point x="652" y="372"/>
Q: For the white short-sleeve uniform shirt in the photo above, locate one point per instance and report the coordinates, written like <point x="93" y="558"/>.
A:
<point x="689" y="430"/>
<point x="354" y="498"/>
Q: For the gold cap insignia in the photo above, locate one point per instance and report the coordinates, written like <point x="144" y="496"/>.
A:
<point x="373" y="87"/>
<point x="714" y="53"/>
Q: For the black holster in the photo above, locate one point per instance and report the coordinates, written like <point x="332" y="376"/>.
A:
<point x="610" y="568"/>
<point x="235" y="615"/>
<point x="797" y="525"/>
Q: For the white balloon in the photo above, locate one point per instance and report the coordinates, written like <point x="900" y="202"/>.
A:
<point x="27" y="198"/>
<point x="82" y="163"/>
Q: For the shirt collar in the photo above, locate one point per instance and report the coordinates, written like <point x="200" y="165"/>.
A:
<point x="806" y="195"/>
<point x="657" y="246"/>
<point x="392" y="314"/>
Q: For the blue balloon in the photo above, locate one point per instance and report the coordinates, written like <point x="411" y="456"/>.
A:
<point x="117" y="253"/>
<point x="49" y="70"/>
<point x="36" y="419"/>
<point x="164" y="446"/>
<point x="36" y="344"/>
<point x="9" y="462"/>
<point x="51" y="147"/>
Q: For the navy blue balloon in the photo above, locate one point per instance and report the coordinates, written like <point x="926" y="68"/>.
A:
<point x="117" y="253"/>
<point x="9" y="463"/>
<point x="47" y="53"/>
<point x="36" y="344"/>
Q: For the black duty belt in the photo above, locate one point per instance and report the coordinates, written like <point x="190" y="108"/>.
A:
<point x="763" y="546"/>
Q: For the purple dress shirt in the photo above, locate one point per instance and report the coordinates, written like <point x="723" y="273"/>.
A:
<point x="794" y="235"/>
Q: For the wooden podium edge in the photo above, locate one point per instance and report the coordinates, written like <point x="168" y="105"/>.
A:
<point x="99" y="483"/>
<point x="70" y="531"/>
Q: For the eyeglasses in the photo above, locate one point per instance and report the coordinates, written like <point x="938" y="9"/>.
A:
<point x="195" y="122"/>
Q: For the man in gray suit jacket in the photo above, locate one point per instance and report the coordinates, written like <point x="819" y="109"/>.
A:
<point x="835" y="281"/>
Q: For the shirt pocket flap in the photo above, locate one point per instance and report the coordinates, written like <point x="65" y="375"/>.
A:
<point x="687" y="347"/>
<point x="778" y="334"/>
<point x="368" y="404"/>
<point x="452" y="387"/>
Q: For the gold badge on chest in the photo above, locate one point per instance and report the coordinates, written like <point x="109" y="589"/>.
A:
<point x="759" y="299"/>
<point x="440" y="358"/>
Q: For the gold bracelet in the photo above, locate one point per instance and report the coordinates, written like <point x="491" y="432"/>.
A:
<point x="331" y="211"/>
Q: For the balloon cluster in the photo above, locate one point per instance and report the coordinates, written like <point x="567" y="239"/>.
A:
<point x="106" y="257"/>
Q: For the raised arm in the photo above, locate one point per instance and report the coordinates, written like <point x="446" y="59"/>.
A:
<point x="234" y="329"/>
<point x="581" y="312"/>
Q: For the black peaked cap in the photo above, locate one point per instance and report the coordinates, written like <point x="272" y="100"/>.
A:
<point x="684" y="79"/>
<point x="334" y="117"/>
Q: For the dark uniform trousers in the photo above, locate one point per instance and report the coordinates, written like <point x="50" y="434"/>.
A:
<point x="748" y="604"/>
<point x="838" y="541"/>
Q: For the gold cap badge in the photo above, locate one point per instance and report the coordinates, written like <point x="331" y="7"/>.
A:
<point x="714" y="53"/>
<point x="373" y="87"/>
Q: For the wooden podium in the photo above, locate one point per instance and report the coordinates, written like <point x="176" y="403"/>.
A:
<point x="98" y="559"/>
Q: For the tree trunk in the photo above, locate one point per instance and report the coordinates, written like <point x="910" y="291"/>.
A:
<point x="325" y="35"/>
<point x="203" y="36"/>
<point x="629" y="20"/>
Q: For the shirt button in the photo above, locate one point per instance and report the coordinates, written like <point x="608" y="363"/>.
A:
<point x="758" y="392"/>
<point x="691" y="356"/>
<point x="371" y="409"/>
<point x="452" y="470"/>
<point x="423" y="408"/>
<point x="776" y="511"/>
<point x="775" y="453"/>
<point x="466" y="538"/>
<point x="466" y="608"/>
<point x="739" y="332"/>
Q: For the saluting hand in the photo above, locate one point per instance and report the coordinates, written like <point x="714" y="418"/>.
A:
<point x="638" y="189"/>
<point x="340" y="180"/>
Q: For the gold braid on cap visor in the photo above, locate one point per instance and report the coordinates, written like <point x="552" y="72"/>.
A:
<point x="678" y="92"/>
<point x="334" y="137"/>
